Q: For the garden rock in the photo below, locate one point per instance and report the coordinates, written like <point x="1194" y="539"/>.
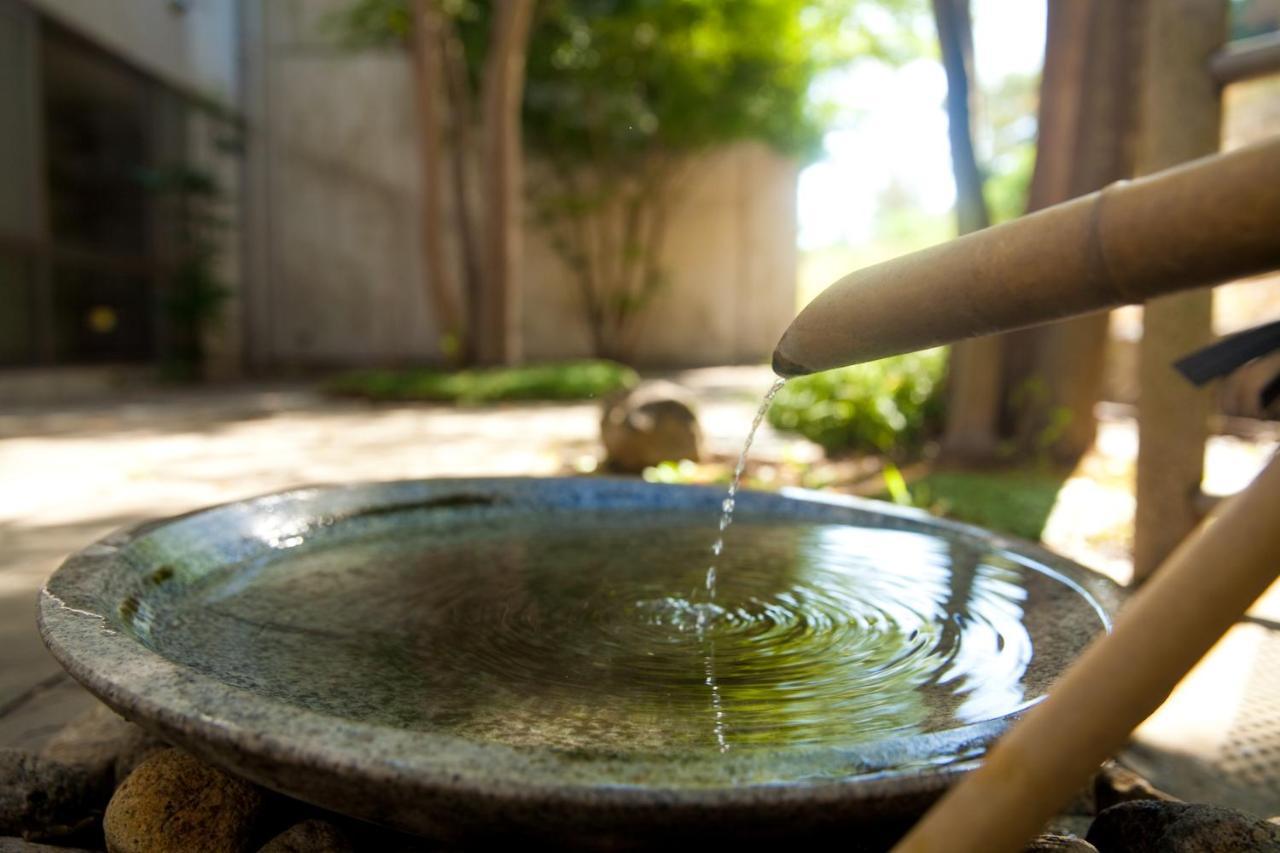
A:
<point x="309" y="836"/>
<point x="1115" y="784"/>
<point x="1059" y="844"/>
<point x="174" y="801"/>
<point x="136" y="752"/>
<point x="41" y="798"/>
<point x="1159" y="826"/>
<point x="1069" y="824"/>
<point x="652" y="423"/>
<point x="103" y="743"/>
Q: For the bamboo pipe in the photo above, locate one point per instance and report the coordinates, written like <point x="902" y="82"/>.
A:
<point x="1202" y="223"/>
<point x="1171" y="622"/>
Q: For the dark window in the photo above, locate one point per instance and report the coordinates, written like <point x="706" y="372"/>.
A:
<point x="18" y="306"/>
<point x="105" y="127"/>
<point x="83" y="242"/>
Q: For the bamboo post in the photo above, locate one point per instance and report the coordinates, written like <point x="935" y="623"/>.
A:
<point x="1199" y="592"/>
<point x="1181" y="118"/>
<point x="1199" y="224"/>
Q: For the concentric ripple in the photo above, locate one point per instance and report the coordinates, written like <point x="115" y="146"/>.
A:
<point x="596" y="634"/>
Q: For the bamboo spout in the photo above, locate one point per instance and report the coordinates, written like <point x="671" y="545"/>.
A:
<point x="1202" y="223"/>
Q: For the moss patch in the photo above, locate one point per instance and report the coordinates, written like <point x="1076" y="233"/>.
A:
<point x="1017" y="502"/>
<point x="572" y="380"/>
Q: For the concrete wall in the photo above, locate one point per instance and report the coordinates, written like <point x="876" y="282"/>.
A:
<point x="333" y="208"/>
<point x="334" y="257"/>
<point x="190" y="44"/>
<point x="731" y="257"/>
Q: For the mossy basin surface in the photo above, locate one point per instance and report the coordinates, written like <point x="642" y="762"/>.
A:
<point x="542" y="655"/>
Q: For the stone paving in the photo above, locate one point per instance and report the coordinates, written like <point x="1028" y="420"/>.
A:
<point x="70" y="474"/>
<point x="1092" y="519"/>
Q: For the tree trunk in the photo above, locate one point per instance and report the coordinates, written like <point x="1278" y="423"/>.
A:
<point x="974" y="387"/>
<point x="955" y="37"/>
<point x="1087" y="121"/>
<point x="503" y="176"/>
<point x="1038" y="387"/>
<point x="462" y="150"/>
<point x="1181" y="117"/>
<point x="442" y="288"/>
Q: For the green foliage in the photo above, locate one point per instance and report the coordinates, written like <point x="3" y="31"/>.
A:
<point x="889" y="406"/>
<point x="1041" y="425"/>
<point x="371" y="23"/>
<point x="1007" y="139"/>
<point x="1017" y="502"/>
<point x="194" y="296"/>
<point x="619" y="77"/>
<point x="1008" y="182"/>
<point x="895" y="485"/>
<point x="575" y="380"/>
<point x="676" y="471"/>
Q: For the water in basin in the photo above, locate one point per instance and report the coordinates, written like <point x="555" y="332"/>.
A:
<point x="592" y="634"/>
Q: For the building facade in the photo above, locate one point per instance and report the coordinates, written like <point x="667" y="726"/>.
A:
<point x="98" y="101"/>
<point x="310" y="146"/>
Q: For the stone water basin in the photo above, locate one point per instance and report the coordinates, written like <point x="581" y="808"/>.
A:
<point x="542" y="656"/>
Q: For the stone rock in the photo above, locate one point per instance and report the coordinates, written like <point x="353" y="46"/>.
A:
<point x="309" y="836"/>
<point x="367" y="836"/>
<point x="653" y="422"/>
<point x="1083" y="803"/>
<point x="1160" y="826"/>
<point x="41" y="798"/>
<point x="174" y="801"/>
<point x="1115" y="784"/>
<point x="103" y="743"/>
<point x="1069" y="824"/>
<point x="1059" y="844"/>
<point x="135" y="753"/>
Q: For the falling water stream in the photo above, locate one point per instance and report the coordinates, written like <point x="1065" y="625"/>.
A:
<point x="726" y="508"/>
<point x="717" y="548"/>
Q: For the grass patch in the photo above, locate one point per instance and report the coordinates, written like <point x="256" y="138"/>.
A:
<point x="571" y="380"/>
<point x="1017" y="502"/>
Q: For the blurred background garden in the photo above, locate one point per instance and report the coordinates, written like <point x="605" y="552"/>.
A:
<point x="250" y="245"/>
<point x="220" y="192"/>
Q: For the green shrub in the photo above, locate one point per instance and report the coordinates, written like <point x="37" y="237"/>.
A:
<point x="574" y="380"/>
<point x="889" y="406"/>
